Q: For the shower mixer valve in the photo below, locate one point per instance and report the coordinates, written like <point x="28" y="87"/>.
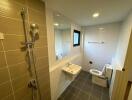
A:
<point x="32" y="84"/>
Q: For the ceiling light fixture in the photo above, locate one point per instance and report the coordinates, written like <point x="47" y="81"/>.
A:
<point x="101" y="28"/>
<point x="95" y="15"/>
<point x="58" y="15"/>
<point x="56" y="24"/>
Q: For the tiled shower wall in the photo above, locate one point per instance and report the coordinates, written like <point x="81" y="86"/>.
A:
<point x="14" y="74"/>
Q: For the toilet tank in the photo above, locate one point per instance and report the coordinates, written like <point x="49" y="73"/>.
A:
<point x="108" y="73"/>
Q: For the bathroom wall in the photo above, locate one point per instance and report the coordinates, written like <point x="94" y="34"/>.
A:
<point x="58" y="42"/>
<point x="100" y="44"/>
<point x="123" y="40"/>
<point x="14" y="74"/>
<point x="62" y="42"/>
<point x="59" y="80"/>
<point x="120" y="56"/>
<point x="130" y="94"/>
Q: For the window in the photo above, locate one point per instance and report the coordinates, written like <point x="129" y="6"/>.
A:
<point x="76" y="38"/>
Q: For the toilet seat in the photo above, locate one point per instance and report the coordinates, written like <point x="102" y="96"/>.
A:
<point x="95" y="72"/>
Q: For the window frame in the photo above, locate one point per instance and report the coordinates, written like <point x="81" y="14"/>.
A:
<point x="78" y="32"/>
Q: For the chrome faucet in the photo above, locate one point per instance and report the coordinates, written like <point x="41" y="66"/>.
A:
<point x="69" y="64"/>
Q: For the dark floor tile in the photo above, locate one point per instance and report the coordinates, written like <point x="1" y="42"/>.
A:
<point x="105" y="97"/>
<point x="66" y="92"/>
<point x="96" y="93"/>
<point x="74" y="91"/>
<point x="105" y="90"/>
<point x="70" y="96"/>
<point x="83" y="96"/>
<point x="87" y="88"/>
<point x="97" y="88"/>
<point x="78" y="84"/>
<point x="82" y="88"/>
<point x="82" y="74"/>
<point x="92" y="97"/>
<point x="61" y="98"/>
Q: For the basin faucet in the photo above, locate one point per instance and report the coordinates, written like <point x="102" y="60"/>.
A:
<point x="69" y="64"/>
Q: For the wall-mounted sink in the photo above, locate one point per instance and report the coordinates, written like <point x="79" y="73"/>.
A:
<point x="72" y="69"/>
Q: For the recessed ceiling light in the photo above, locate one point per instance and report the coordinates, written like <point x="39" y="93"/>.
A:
<point x="95" y="15"/>
<point x="101" y="28"/>
<point x="57" y="15"/>
<point x="56" y="24"/>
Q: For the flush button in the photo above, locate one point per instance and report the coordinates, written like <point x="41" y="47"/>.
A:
<point x="1" y="36"/>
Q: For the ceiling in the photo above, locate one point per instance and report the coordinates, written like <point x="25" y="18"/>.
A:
<point x="80" y="11"/>
<point x="62" y="21"/>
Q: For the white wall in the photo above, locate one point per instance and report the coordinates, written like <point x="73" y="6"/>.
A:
<point x="119" y="59"/>
<point x="100" y="53"/>
<point x="58" y="42"/>
<point x="66" y="40"/>
<point x="58" y="80"/>
<point x="123" y="41"/>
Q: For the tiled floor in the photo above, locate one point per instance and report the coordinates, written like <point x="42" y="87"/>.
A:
<point x="82" y="88"/>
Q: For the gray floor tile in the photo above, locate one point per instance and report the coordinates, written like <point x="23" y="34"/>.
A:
<point x="83" y="96"/>
<point x="82" y="88"/>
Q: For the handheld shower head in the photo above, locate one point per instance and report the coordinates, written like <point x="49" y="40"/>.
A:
<point x="23" y="12"/>
<point x="34" y="30"/>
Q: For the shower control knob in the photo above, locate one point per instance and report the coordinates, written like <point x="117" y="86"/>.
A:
<point x="32" y="84"/>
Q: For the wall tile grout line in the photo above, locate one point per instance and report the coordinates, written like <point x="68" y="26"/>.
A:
<point x="11" y="18"/>
<point x="16" y="64"/>
<point x="25" y="74"/>
<point x="6" y="97"/>
<point x="20" y="35"/>
<point x="4" y="83"/>
<point x="13" y="35"/>
<point x="4" y="67"/>
<point x="8" y="71"/>
<point x="20" y="49"/>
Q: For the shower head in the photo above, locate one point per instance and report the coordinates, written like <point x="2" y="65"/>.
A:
<point x="34" y="30"/>
<point x="23" y="12"/>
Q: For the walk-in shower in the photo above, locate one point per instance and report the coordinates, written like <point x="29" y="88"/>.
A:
<point x="30" y="38"/>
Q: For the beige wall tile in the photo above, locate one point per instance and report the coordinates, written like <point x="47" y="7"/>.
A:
<point x="45" y="87"/>
<point x="36" y="17"/>
<point x="4" y="76"/>
<point x="13" y="42"/>
<point x="43" y="73"/>
<point x="37" y="5"/>
<point x="20" y="82"/>
<point x="41" y="42"/>
<point x="42" y="63"/>
<point x="2" y="60"/>
<point x="45" y="93"/>
<point x="20" y="1"/>
<point x="43" y="83"/>
<point x="18" y="70"/>
<point x="5" y="90"/>
<point x="15" y="57"/>
<point x="42" y="30"/>
<point x="41" y="52"/>
<point x="1" y="47"/>
<point x="23" y="94"/>
<point x="10" y="9"/>
<point x="10" y="97"/>
<point x="10" y="26"/>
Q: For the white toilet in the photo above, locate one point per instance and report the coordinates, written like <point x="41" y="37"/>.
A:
<point x="103" y="77"/>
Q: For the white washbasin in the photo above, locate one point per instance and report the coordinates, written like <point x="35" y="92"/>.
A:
<point x="72" y="69"/>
